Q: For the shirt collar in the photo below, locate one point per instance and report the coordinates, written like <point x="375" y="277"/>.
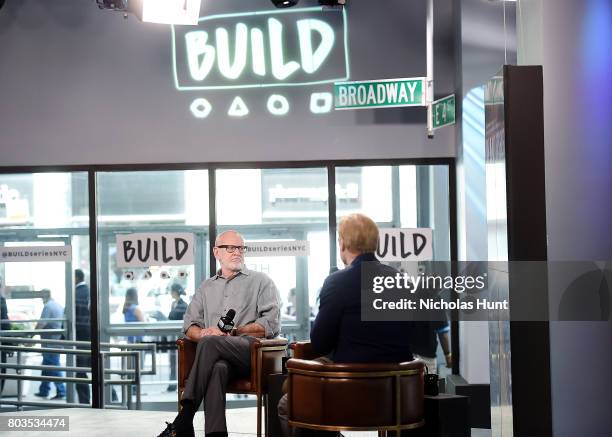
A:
<point x="81" y="283"/>
<point x="243" y="271"/>
<point x="369" y="256"/>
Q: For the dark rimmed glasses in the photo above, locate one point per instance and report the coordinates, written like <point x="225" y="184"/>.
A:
<point x="231" y="249"/>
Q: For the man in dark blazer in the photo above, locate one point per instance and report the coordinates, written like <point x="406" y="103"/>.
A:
<point x="82" y="330"/>
<point x="338" y="333"/>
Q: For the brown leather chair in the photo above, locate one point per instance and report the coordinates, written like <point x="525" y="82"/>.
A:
<point x="354" y="397"/>
<point x="266" y="358"/>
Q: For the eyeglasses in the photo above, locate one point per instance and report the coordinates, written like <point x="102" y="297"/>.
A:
<point x="231" y="249"/>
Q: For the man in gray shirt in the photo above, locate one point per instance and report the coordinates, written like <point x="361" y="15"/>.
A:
<point x="221" y="356"/>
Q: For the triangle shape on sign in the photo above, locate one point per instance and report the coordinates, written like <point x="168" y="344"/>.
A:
<point x="238" y="108"/>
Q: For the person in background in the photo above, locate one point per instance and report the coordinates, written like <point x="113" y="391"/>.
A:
<point x="5" y="325"/>
<point x="290" y="309"/>
<point x="132" y="313"/>
<point x="177" y="311"/>
<point x="82" y="330"/>
<point x="424" y="343"/>
<point x="51" y="310"/>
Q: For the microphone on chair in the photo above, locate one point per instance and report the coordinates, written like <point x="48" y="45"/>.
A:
<point x="226" y="323"/>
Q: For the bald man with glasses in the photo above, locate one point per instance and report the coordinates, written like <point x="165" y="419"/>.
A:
<point x="222" y="356"/>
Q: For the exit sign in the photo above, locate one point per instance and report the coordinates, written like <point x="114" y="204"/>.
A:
<point x="444" y="112"/>
<point x="389" y="93"/>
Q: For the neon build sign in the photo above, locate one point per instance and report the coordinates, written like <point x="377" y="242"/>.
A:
<point x="269" y="49"/>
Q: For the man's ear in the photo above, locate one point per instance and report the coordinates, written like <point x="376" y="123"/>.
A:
<point x="216" y="252"/>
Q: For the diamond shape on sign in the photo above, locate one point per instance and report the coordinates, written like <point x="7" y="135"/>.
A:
<point x="200" y="108"/>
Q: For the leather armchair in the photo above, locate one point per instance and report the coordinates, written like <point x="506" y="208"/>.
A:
<point x="354" y="397"/>
<point x="266" y="358"/>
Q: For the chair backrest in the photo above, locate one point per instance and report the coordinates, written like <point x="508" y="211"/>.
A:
<point x="355" y="396"/>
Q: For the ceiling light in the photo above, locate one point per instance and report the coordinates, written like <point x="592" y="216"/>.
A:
<point x="157" y="11"/>
<point x="285" y="3"/>
<point x="115" y="5"/>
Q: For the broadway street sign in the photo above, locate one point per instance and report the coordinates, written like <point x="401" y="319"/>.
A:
<point x="380" y="93"/>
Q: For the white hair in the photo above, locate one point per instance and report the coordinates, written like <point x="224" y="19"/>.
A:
<point x="222" y="234"/>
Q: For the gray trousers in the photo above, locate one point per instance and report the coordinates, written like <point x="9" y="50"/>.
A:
<point x="218" y="360"/>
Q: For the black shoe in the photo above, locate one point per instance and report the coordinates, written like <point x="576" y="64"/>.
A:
<point x="40" y="395"/>
<point x="171" y="387"/>
<point x="171" y="431"/>
<point x="216" y="434"/>
<point x="58" y="397"/>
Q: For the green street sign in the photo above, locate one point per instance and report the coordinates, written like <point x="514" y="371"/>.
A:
<point x="444" y="112"/>
<point x="390" y="93"/>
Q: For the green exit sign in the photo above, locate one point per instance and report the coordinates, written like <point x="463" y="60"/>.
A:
<point x="444" y="112"/>
<point x="389" y="93"/>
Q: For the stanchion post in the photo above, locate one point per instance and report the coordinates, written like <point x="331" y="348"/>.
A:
<point x="429" y="93"/>
<point x="19" y="383"/>
<point x="137" y="378"/>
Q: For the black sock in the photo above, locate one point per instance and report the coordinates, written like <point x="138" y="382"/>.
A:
<point x="184" y="419"/>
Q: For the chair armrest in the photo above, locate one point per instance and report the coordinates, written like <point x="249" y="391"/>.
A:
<point x="303" y="350"/>
<point x="265" y="342"/>
<point x="272" y="351"/>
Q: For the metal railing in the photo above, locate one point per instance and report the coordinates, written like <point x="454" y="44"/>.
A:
<point x="34" y="320"/>
<point x="19" y="332"/>
<point x="127" y="351"/>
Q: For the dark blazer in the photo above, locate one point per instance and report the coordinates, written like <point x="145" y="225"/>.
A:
<point x="81" y="312"/>
<point x="178" y="311"/>
<point x="338" y="329"/>
<point x="4" y="314"/>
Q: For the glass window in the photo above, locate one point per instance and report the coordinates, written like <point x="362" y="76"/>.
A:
<point x="367" y="190"/>
<point x="406" y="196"/>
<point x="153" y="197"/>
<point x="43" y="210"/>
<point x="43" y="200"/>
<point x="140" y="305"/>
<point x="284" y="204"/>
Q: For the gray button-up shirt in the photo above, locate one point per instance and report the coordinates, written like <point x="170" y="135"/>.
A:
<point x="251" y="294"/>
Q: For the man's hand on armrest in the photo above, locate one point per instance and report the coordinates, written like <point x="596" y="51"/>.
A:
<point x="195" y="333"/>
